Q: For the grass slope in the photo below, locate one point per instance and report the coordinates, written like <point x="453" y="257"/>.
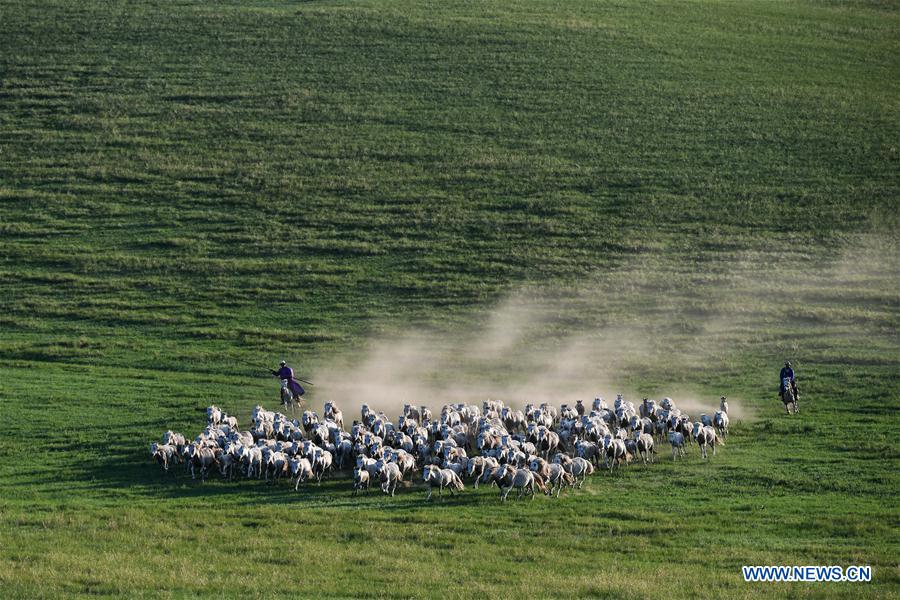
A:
<point x="191" y="189"/>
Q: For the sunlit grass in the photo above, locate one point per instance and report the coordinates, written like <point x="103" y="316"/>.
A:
<point x="190" y="191"/>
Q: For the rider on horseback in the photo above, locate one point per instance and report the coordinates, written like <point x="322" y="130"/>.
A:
<point x="787" y="372"/>
<point x="285" y="373"/>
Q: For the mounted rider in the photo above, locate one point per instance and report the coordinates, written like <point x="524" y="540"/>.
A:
<point x="787" y="373"/>
<point x="286" y="374"/>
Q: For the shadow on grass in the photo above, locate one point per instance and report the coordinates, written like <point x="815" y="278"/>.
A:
<point x="140" y="479"/>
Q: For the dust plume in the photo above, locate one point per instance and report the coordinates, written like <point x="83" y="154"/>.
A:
<point x="529" y="348"/>
<point x="648" y="329"/>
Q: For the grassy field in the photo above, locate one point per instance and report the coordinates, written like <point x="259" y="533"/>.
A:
<point x="684" y="193"/>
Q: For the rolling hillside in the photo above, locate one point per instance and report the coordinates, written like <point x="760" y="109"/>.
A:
<point x="447" y="200"/>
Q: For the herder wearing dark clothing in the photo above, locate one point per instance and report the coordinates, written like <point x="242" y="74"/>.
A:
<point x="787" y="373"/>
<point x="287" y="373"/>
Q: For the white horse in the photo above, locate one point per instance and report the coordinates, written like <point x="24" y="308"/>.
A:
<point x="706" y="436"/>
<point x="522" y="479"/>
<point x="288" y="398"/>
<point x="441" y="478"/>
<point x="788" y="396"/>
<point x="333" y="413"/>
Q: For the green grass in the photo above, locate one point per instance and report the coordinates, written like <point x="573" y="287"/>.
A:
<point x="190" y="191"/>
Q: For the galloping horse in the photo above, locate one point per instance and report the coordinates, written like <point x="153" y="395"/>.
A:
<point x="789" y="397"/>
<point x="289" y="398"/>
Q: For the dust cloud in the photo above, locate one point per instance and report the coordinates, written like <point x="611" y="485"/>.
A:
<point x="660" y="323"/>
<point x="527" y="349"/>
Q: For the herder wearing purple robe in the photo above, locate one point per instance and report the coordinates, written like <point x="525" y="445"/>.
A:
<point x="287" y="373"/>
